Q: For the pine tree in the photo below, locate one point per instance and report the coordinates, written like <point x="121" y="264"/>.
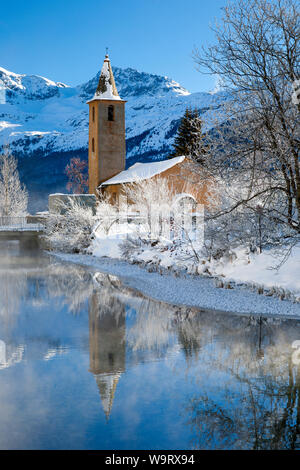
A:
<point x="189" y="140"/>
<point x="196" y="146"/>
<point x="183" y="135"/>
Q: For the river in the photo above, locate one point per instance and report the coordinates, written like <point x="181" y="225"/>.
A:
<point x="87" y="363"/>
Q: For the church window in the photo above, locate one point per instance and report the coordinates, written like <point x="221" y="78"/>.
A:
<point x="93" y="145"/>
<point x="93" y="114"/>
<point x="110" y="114"/>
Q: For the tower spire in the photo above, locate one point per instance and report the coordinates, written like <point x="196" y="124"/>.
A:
<point x="106" y="88"/>
<point x="107" y="146"/>
<point x="107" y="384"/>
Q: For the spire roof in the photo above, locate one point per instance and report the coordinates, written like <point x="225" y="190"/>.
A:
<point x="106" y="89"/>
<point x="107" y="384"/>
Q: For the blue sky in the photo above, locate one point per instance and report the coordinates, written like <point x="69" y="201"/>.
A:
<point x="65" y="40"/>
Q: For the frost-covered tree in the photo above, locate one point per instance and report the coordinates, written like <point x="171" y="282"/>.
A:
<point x="246" y="225"/>
<point x="256" y="149"/>
<point x="162" y="220"/>
<point x="107" y="214"/>
<point x="13" y="195"/>
<point x="152" y="199"/>
<point x="71" y="229"/>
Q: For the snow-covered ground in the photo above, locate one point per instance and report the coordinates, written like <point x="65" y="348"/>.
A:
<point x="187" y="289"/>
<point x="261" y="269"/>
<point x="242" y="282"/>
<point x="109" y="245"/>
<point x="178" y="272"/>
<point x="242" y="267"/>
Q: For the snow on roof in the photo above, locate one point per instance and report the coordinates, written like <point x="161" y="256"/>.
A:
<point x="143" y="171"/>
<point x="106" y="89"/>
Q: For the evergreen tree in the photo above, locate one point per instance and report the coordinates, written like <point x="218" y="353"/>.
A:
<point x="183" y="135"/>
<point x="189" y="140"/>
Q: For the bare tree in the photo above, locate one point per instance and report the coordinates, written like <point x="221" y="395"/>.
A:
<point x="152" y="199"/>
<point x="77" y="173"/>
<point x="107" y="214"/>
<point x="13" y="195"/>
<point x="71" y="229"/>
<point x="255" y="145"/>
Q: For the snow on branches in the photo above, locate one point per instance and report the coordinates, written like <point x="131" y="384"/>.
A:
<point x="13" y="195"/>
<point x="71" y="228"/>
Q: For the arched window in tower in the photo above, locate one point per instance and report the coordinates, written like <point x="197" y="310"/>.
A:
<point x="110" y="113"/>
<point x="93" y="145"/>
<point x="93" y="114"/>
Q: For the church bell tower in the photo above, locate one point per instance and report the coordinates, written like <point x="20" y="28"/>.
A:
<point x="107" y="149"/>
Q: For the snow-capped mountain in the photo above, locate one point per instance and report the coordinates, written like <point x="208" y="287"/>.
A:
<point x="46" y="122"/>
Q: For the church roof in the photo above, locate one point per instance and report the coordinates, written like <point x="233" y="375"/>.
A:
<point x="106" y="89"/>
<point x="143" y="171"/>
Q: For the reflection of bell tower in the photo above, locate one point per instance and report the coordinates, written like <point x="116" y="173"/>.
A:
<point x="107" y="148"/>
<point x="107" y="347"/>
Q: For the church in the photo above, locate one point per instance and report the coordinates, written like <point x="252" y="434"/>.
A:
<point x="107" y="151"/>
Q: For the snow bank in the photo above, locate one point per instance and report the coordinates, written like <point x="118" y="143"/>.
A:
<point x="253" y="270"/>
<point x="188" y="290"/>
<point x="260" y="269"/>
<point x="105" y="245"/>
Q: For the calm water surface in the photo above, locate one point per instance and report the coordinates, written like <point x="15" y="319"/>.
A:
<point x="86" y="363"/>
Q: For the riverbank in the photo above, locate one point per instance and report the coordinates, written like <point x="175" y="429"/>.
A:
<point x="189" y="290"/>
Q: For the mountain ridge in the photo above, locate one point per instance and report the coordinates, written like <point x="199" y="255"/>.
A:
<point x="46" y="122"/>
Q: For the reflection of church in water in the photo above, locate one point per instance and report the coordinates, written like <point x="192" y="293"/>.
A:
<point x="107" y="346"/>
